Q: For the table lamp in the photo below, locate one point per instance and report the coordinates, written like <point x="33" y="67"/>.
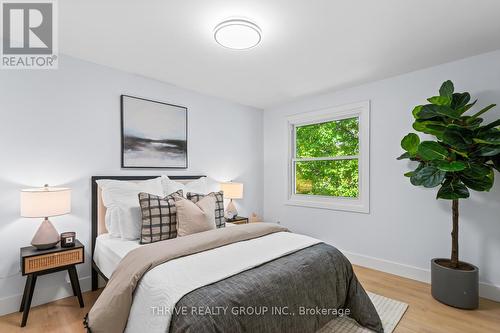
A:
<point x="44" y="202"/>
<point x="232" y="191"/>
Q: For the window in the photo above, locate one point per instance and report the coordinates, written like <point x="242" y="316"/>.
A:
<point x="328" y="165"/>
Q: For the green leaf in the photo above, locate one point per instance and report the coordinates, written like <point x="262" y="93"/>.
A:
<point x="416" y="110"/>
<point x="476" y="140"/>
<point x="476" y="170"/>
<point x="457" y="137"/>
<point x="405" y="155"/>
<point x="431" y="150"/>
<point x="452" y="166"/>
<point x="430" y="111"/>
<point x="409" y="174"/>
<point x="469" y="123"/>
<point x="420" y="114"/>
<point x="446" y="89"/>
<point x="413" y="180"/>
<point x="478" y="177"/>
<point x="440" y="100"/>
<point x="461" y="153"/>
<point x="490" y="125"/>
<point x="435" y="128"/>
<point x="487" y="151"/>
<point x="491" y="137"/>
<point x="459" y="100"/>
<point x="428" y="176"/>
<point x="486" y="109"/>
<point x="410" y="143"/>
<point x="453" y="189"/>
<point x="466" y="108"/>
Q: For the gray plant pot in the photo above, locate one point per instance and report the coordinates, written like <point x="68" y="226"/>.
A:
<point x="458" y="288"/>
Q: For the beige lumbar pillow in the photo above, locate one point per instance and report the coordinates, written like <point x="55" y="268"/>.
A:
<point x="195" y="217"/>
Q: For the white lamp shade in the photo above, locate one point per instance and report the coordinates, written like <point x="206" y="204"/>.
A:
<point x="232" y="190"/>
<point x="45" y="202"/>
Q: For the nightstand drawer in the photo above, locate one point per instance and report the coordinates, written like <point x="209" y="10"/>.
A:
<point x="52" y="260"/>
<point x="238" y="220"/>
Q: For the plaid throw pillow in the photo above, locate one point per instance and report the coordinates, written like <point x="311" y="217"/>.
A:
<point x="220" y="222"/>
<point x="159" y="217"/>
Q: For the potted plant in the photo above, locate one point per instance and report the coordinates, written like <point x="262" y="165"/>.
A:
<point x="462" y="156"/>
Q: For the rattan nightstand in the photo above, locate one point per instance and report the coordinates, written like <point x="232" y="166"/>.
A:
<point x="40" y="262"/>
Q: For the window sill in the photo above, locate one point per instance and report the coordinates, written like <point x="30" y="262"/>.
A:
<point x="347" y="205"/>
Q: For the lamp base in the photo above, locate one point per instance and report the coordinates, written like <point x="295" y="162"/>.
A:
<point x="231" y="211"/>
<point x="46" y="237"/>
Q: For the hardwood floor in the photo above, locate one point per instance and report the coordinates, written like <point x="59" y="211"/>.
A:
<point x="424" y="315"/>
<point x="62" y="316"/>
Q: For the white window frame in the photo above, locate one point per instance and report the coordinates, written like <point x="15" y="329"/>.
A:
<point x="360" y="204"/>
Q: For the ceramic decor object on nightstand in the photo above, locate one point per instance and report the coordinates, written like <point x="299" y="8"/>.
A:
<point x="35" y="262"/>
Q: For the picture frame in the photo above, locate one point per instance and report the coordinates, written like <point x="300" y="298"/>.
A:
<point x="154" y="135"/>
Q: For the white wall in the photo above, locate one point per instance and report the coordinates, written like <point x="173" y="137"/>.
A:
<point x="406" y="226"/>
<point x="62" y="126"/>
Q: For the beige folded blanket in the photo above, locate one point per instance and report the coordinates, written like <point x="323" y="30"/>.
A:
<point x="111" y="310"/>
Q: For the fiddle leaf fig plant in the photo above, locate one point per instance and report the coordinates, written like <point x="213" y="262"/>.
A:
<point x="461" y="157"/>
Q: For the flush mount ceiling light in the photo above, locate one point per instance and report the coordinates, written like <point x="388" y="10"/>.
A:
<point x="237" y="34"/>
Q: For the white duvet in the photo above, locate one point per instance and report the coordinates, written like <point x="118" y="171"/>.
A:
<point x="162" y="287"/>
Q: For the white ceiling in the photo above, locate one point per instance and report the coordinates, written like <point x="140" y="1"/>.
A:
<point x="308" y="46"/>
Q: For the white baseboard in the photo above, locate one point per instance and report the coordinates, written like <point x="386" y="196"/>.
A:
<point x="489" y="291"/>
<point x="486" y="290"/>
<point x="42" y="295"/>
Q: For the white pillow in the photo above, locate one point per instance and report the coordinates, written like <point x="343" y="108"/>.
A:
<point x="196" y="186"/>
<point x="123" y="216"/>
<point x="111" y="220"/>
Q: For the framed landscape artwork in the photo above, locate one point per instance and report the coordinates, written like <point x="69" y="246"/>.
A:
<point x="154" y="134"/>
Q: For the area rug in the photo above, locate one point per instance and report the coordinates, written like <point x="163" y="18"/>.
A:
<point x="389" y="310"/>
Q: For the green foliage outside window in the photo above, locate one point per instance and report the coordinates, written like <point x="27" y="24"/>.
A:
<point x="339" y="177"/>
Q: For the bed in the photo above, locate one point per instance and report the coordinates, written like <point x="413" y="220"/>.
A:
<point x="256" y="278"/>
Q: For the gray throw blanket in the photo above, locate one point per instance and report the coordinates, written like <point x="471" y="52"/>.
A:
<point x="300" y="292"/>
